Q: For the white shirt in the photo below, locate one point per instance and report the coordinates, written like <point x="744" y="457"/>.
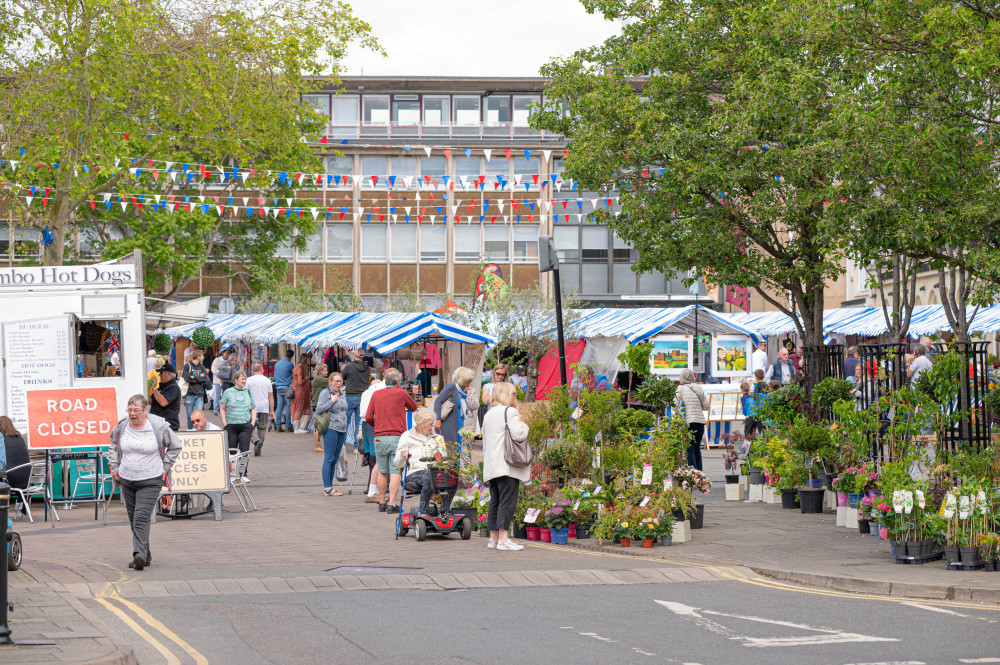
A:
<point x="209" y="427"/>
<point x="260" y="387"/>
<point x="366" y="396"/>
<point x="140" y="453"/>
<point x="758" y="360"/>
<point x="115" y="360"/>
<point x="215" y="371"/>
<point x="150" y="364"/>
<point x="919" y="365"/>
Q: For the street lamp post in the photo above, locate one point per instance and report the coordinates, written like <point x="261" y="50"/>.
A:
<point x="4" y="505"/>
<point x="548" y="260"/>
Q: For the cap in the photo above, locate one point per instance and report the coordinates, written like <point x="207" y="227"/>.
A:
<point x="167" y="367"/>
<point x="151" y="353"/>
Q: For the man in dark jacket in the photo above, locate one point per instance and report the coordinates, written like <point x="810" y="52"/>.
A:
<point x="781" y="370"/>
<point x="356" y="374"/>
<point x="199" y="385"/>
<point x="167" y="398"/>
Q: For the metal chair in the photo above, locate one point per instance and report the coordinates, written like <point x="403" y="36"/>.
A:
<point x="36" y="486"/>
<point x="86" y="471"/>
<point x="237" y="469"/>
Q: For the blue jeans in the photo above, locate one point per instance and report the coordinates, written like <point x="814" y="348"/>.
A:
<point x="333" y="441"/>
<point x="283" y="411"/>
<point x="354" y="411"/>
<point x="192" y="403"/>
<point x="216" y="398"/>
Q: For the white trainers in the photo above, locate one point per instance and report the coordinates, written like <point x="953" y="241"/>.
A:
<point x="301" y="431"/>
<point x="492" y="545"/>
<point x="509" y="546"/>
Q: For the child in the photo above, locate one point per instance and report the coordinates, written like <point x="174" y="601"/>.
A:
<point x="746" y="407"/>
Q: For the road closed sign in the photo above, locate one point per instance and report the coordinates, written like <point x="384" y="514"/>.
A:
<point x="71" y="417"/>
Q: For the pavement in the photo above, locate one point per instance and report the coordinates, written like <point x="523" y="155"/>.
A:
<point x="75" y="589"/>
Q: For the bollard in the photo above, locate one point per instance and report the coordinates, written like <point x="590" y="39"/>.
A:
<point x="7" y="533"/>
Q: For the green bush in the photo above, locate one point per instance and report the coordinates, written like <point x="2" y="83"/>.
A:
<point x="630" y="423"/>
<point x="161" y="343"/>
<point x="831" y="390"/>
<point x="203" y="337"/>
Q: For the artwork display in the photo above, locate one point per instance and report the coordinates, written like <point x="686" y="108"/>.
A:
<point x="671" y="354"/>
<point x="730" y="354"/>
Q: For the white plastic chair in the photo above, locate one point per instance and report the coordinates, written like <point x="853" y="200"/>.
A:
<point x="36" y="486"/>
<point x="237" y="469"/>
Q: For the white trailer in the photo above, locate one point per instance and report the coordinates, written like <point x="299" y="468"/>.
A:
<point x="72" y="326"/>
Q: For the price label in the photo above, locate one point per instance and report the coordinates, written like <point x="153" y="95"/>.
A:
<point x="576" y="506"/>
<point x="647" y="474"/>
<point x="598" y="438"/>
<point x="531" y="515"/>
<point x="667" y="483"/>
<point x="645" y="500"/>
<point x="660" y="513"/>
<point x="576" y="413"/>
<point x="598" y="491"/>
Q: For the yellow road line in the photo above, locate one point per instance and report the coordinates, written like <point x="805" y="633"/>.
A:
<point x="153" y="622"/>
<point x="736" y="576"/>
<point x="139" y="630"/>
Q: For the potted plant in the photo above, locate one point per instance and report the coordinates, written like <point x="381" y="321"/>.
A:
<point x="623" y="530"/>
<point x="585" y="514"/>
<point x="647" y="531"/>
<point x="558" y="518"/>
<point x="657" y="392"/>
<point x="691" y="480"/>
<point x="808" y="439"/>
<point x="464" y="504"/>
<point x="664" y="528"/>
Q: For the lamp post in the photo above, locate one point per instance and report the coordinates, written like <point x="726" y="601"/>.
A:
<point x="7" y="533"/>
<point x="548" y="260"/>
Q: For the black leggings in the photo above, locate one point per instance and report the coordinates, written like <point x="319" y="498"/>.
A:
<point x="239" y="436"/>
<point x="503" y="502"/>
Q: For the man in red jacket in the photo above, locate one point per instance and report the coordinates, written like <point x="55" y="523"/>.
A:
<point x="387" y="416"/>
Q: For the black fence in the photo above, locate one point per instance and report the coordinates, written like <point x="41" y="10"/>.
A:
<point x="822" y="362"/>
<point x="968" y="415"/>
<point x="883" y="370"/>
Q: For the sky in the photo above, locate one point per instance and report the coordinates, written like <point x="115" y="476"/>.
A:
<point x="471" y="37"/>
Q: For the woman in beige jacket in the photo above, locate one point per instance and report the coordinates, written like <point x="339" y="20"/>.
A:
<point x="692" y="398"/>
<point x="503" y="479"/>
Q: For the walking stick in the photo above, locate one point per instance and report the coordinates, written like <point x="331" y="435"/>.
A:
<point x="357" y="447"/>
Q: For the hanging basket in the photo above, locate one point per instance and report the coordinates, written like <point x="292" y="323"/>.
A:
<point x="161" y="343"/>
<point x="203" y="337"/>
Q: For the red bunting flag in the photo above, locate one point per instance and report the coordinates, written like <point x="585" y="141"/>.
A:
<point x="507" y="154"/>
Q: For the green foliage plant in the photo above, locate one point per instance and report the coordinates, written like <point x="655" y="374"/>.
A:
<point x="161" y="343"/>
<point x="831" y="390"/>
<point x="657" y="392"/>
<point x="636" y="358"/>
<point x="203" y="337"/>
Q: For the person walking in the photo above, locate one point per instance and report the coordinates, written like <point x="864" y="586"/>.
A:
<point x="263" y="398"/>
<point x="366" y="439"/>
<point x="691" y="397"/>
<point x="302" y="395"/>
<point x="238" y="413"/>
<point x="758" y="359"/>
<point x="502" y="478"/>
<point x="357" y="374"/>
<point x="13" y="453"/>
<point x="333" y="399"/>
<point x="851" y="361"/>
<point x="781" y="370"/>
<point x="319" y="383"/>
<point x="282" y="382"/>
<point x="450" y="421"/>
<point x="227" y="368"/>
<point x="201" y="424"/>
<point x="921" y="363"/>
<point x="198" y="382"/>
<point x="167" y="397"/>
<point x="387" y="415"/>
<point x="142" y="452"/>
<point x="216" y="383"/>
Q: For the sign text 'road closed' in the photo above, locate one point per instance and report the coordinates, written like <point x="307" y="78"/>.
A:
<point x="71" y="417"/>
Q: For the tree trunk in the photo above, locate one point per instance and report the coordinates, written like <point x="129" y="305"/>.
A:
<point x="532" y="372"/>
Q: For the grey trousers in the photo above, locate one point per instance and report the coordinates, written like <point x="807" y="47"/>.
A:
<point x="140" y="501"/>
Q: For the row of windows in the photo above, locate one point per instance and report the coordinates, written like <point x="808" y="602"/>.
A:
<point x="436" y="167"/>
<point x="410" y="109"/>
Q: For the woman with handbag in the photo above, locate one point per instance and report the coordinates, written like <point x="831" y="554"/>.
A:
<point x="503" y="478"/>
<point x="319" y="383"/>
<point x="331" y="422"/>
<point x="691" y="398"/>
<point x="453" y="407"/>
<point x="302" y="394"/>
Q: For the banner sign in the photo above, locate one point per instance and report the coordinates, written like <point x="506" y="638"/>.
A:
<point x="203" y="463"/>
<point x="67" y="277"/>
<point x="71" y="417"/>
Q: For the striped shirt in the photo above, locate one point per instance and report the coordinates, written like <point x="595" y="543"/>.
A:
<point x="238" y="404"/>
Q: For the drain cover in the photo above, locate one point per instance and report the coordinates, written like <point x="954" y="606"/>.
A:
<point x="354" y="570"/>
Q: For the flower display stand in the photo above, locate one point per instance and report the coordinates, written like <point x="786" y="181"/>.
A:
<point x="842" y="515"/>
<point x="735" y="492"/>
<point x="850" y="518"/>
<point x="681" y="533"/>
<point x="771" y="495"/>
<point x="756" y="493"/>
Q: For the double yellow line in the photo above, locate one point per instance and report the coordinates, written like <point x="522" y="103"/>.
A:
<point x="738" y="576"/>
<point x="108" y="597"/>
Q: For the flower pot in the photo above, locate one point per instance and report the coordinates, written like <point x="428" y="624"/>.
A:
<point x="533" y="533"/>
<point x="951" y="553"/>
<point x="546" y="535"/>
<point x="853" y="500"/>
<point x="841" y="499"/>
<point x="811" y="500"/>
<point x="647" y="542"/>
<point x="816" y="483"/>
<point x="899" y="548"/>
<point x="519" y="531"/>
<point x="626" y="542"/>
<point x="915" y="548"/>
<point x="789" y="499"/>
<point x="471" y="513"/>
<point x="756" y="475"/>
<point x="572" y="531"/>
<point x="827" y="479"/>
<point x="583" y="530"/>
<point x="698" y="519"/>
<point x="969" y="554"/>
<point x="666" y="541"/>
<point x="863" y="526"/>
<point x="732" y="479"/>
<point x="484" y="533"/>
<point x="559" y="536"/>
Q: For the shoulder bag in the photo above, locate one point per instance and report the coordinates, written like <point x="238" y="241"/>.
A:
<point x="321" y="421"/>
<point x="446" y="407"/>
<point x="226" y="371"/>
<point x="517" y="454"/>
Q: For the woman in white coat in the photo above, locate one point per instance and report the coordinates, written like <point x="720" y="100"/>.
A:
<point x="503" y="479"/>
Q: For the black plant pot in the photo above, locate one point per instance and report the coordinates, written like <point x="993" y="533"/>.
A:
<point x="520" y="531"/>
<point x="583" y="530"/>
<point x="756" y="475"/>
<point x="951" y="554"/>
<point x="732" y="479"/>
<point x="698" y="519"/>
<point x="915" y="548"/>
<point x="811" y="500"/>
<point x="827" y="480"/>
<point x="969" y="554"/>
<point x="864" y="526"/>
<point x="471" y="513"/>
<point x="899" y="548"/>
<point x="789" y="499"/>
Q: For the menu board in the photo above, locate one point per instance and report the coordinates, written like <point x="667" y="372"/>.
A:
<point x="37" y="356"/>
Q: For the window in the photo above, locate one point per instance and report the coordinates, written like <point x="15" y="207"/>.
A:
<point x="376" y="109"/>
<point x="497" y="165"/>
<point x="433" y="243"/>
<point x="594" y="248"/>
<point x="99" y="348"/>
<point x="345" y="110"/>
<point x="403" y="166"/>
<point x="314" y="247"/>
<point x="622" y="279"/>
<point x="404" y="243"/>
<point x="27" y="242"/>
<point x="467" y="111"/>
<point x="285" y="250"/>
<point x="523" y="108"/>
<point x="523" y="167"/>
<point x="621" y="251"/>
<point x="651" y="283"/>
<point x="373" y="242"/>
<point x="340" y="242"/>
<point x="319" y="102"/>
<point x="595" y="278"/>
<point x="497" y="110"/>
<point x="569" y="275"/>
<point x="496" y="239"/>
<point x="467" y="166"/>
<point x="406" y="110"/>
<point x="467" y="239"/>
<point x="374" y="166"/>
<point x="436" y="110"/>
<point x="567" y="242"/>
<point x="525" y="243"/>
<point x="340" y="165"/>
<point x="433" y="166"/>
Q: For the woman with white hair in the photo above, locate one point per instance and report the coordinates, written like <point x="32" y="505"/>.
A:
<point x="503" y="479"/>
<point x="692" y="398"/>
<point x="463" y="405"/>
<point x="417" y="444"/>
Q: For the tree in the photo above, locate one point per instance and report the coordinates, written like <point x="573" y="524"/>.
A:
<point x="722" y="133"/>
<point x="94" y="89"/>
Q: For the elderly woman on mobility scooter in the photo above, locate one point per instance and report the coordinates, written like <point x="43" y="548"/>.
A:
<point x="415" y="445"/>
